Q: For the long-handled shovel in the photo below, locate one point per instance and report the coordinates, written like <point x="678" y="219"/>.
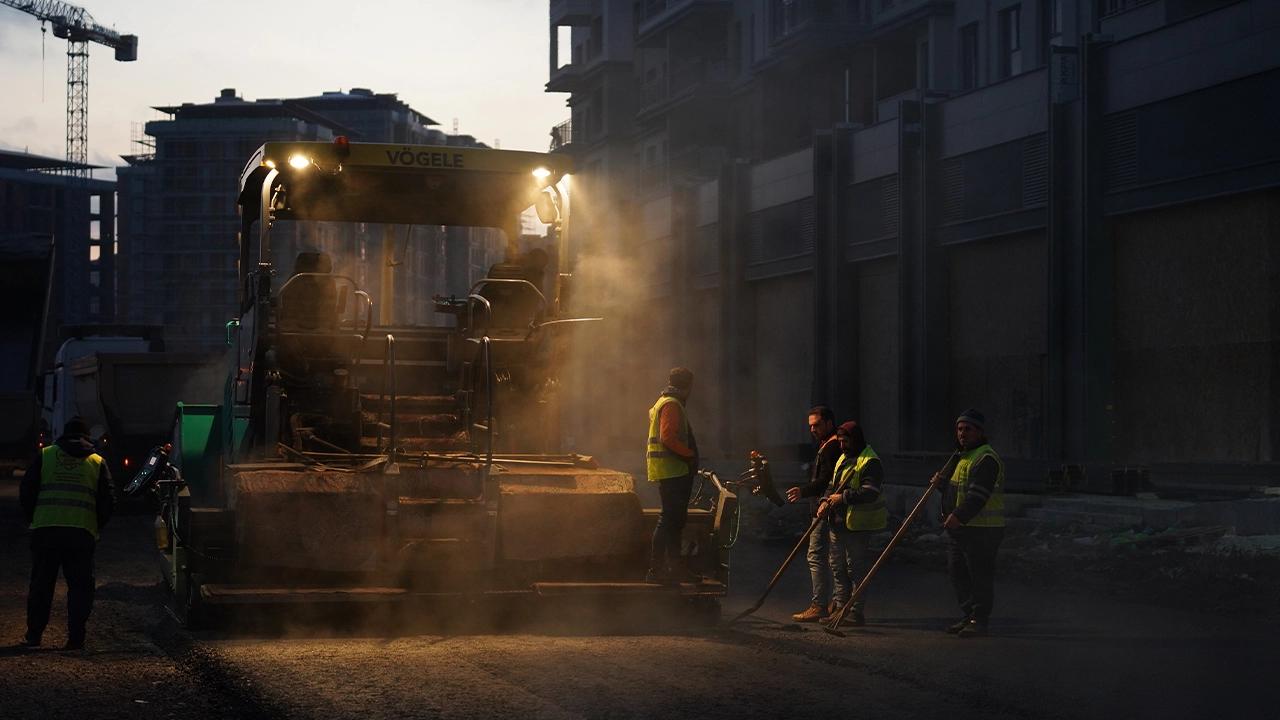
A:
<point x="832" y="626"/>
<point x="785" y="564"/>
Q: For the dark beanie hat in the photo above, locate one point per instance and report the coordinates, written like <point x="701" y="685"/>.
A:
<point x="76" y="426"/>
<point x="852" y="430"/>
<point x="973" y="417"/>
<point x="681" y="378"/>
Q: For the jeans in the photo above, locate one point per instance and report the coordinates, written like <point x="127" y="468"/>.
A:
<point x="850" y="560"/>
<point x="820" y="562"/>
<point x="971" y="563"/>
<point x="668" y="532"/>
<point x="71" y="550"/>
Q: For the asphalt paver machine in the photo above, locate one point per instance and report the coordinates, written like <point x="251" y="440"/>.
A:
<point x="354" y="459"/>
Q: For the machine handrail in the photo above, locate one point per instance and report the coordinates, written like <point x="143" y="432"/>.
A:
<point x="511" y="281"/>
<point x="488" y="311"/>
<point x="488" y="382"/>
<point x="388" y="372"/>
<point x="475" y="293"/>
<point x="355" y="290"/>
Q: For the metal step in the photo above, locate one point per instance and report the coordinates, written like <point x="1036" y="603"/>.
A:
<point x="425" y="404"/>
<point x="239" y="595"/>
<point x="706" y="587"/>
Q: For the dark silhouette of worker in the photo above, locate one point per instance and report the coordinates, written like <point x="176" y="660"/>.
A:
<point x="67" y="498"/>
<point x="309" y="301"/>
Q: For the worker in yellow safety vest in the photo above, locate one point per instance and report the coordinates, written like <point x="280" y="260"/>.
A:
<point x="67" y="497"/>
<point x="857" y="512"/>
<point x="973" y="514"/>
<point x="671" y="461"/>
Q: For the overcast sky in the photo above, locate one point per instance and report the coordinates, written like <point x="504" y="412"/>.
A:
<point x="483" y="62"/>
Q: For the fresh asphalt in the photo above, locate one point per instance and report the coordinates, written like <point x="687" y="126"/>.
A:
<point x="1050" y="655"/>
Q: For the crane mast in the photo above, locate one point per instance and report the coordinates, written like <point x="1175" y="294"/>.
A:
<point x="75" y="25"/>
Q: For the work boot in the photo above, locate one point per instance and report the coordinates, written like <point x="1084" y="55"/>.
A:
<point x="656" y="577"/>
<point x="74" y="644"/>
<point x="857" y="619"/>
<point x="955" y="628"/>
<point x="973" y="628"/>
<point x="813" y="613"/>
<point x="28" y="642"/>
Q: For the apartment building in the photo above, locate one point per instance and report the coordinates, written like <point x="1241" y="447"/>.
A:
<point x="909" y="207"/>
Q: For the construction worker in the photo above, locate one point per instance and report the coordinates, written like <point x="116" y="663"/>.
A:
<point x="857" y="510"/>
<point x="67" y="498"/>
<point x="672" y="462"/>
<point x="973" y="515"/>
<point x="822" y="428"/>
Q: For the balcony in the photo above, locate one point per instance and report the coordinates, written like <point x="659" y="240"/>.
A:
<point x="813" y="25"/>
<point x="573" y="12"/>
<point x="698" y="79"/>
<point x="562" y="137"/>
<point x="652" y="17"/>
<point x="1107" y="8"/>
<point x="566" y="78"/>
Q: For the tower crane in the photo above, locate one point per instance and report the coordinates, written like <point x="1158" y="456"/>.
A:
<point x="78" y="28"/>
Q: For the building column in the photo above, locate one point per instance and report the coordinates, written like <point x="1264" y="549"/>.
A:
<point x="835" y="284"/>
<point x="826" y="274"/>
<point x="737" y="338"/>
<point x="1096" y="284"/>
<point x="922" y="288"/>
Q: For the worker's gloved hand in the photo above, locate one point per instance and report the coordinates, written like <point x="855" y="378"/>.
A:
<point x="835" y="499"/>
<point x="937" y="479"/>
<point x="793" y="494"/>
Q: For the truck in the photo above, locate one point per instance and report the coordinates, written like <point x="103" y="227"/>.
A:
<point x="125" y="386"/>
<point x="354" y="461"/>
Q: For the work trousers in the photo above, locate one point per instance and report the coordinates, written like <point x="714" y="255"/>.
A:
<point x="819" y="559"/>
<point x="668" y="532"/>
<point x="971" y="563"/>
<point x="71" y="551"/>
<point x="850" y="561"/>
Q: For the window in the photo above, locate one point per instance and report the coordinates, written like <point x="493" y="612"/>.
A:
<point x="1010" y="41"/>
<point x="564" y="45"/>
<point x="735" y="47"/>
<point x="969" y="56"/>
<point x="1050" y="27"/>
<point x="922" y="65"/>
<point x="597" y="37"/>
<point x="95" y="278"/>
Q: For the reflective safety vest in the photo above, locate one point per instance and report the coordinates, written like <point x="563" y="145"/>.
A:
<point x="68" y="491"/>
<point x="848" y="474"/>
<point x="661" y="463"/>
<point x="992" y="514"/>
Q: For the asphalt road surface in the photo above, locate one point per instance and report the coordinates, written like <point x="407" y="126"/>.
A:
<point x="1050" y="656"/>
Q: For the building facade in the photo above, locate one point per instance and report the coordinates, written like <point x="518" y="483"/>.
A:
<point x="57" y="268"/>
<point x="179" y="220"/>
<point x="909" y="207"/>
